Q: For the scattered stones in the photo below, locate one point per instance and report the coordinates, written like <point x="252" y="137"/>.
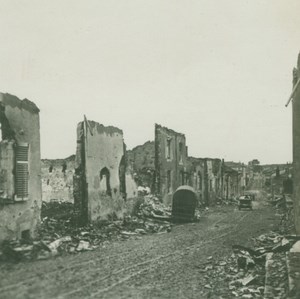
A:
<point x="60" y="233"/>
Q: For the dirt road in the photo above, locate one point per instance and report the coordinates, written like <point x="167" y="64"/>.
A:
<point x="153" y="266"/>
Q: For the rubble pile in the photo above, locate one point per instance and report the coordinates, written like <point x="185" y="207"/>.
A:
<point x="244" y="270"/>
<point x="151" y="207"/>
<point x="269" y="249"/>
<point x="59" y="232"/>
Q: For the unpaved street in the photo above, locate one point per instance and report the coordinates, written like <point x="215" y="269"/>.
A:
<point x="153" y="266"/>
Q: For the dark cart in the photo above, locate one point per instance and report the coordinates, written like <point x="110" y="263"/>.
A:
<point x="184" y="204"/>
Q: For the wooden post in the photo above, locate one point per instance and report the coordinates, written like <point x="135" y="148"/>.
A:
<point x="296" y="147"/>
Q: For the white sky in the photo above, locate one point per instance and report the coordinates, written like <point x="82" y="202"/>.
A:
<point x="218" y="71"/>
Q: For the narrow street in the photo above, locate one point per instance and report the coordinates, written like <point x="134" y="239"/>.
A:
<point x="153" y="266"/>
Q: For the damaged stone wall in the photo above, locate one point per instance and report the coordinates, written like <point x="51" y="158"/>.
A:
<point x="99" y="172"/>
<point x="141" y="160"/>
<point x="214" y="183"/>
<point x="171" y="165"/>
<point x="231" y="186"/>
<point x="57" y="179"/>
<point x="20" y="168"/>
<point x="198" y="177"/>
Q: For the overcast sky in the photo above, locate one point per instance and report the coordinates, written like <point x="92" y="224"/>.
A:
<point x="218" y="71"/>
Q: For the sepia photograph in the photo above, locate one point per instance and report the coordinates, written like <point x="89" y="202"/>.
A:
<point x="150" y="149"/>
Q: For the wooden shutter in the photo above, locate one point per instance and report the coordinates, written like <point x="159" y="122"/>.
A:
<point x="21" y="178"/>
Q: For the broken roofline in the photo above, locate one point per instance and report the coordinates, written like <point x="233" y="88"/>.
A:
<point x="13" y="101"/>
<point x="103" y="129"/>
<point x="158" y="126"/>
<point x="149" y="142"/>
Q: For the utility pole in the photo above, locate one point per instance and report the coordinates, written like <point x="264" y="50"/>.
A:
<point x="296" y="145"/>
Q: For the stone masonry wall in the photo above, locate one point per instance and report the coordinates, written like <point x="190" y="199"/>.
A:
<point x="100" y="156"/>
<point x="170" y="162"/>
<point x="141" y="160"/>
<point x="57" y="179"/>
<point x="19" y="217"/>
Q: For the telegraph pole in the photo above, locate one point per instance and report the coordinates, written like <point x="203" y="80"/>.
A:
<point x="296" y="145"/>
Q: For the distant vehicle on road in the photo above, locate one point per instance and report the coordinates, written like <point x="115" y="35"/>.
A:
<point x="245" y="202"/>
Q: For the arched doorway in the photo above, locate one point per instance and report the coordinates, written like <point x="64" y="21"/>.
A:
<point x="105" y="181"/>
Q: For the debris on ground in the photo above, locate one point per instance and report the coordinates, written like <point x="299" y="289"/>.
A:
<point x="151" y="207"/>
<point x="59" y="232"/>
<point x="269" y="252"/>
<point x="245" y="268"/>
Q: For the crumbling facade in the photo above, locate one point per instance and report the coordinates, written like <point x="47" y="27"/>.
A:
<point x="141" y="160"/>
<point x="57" y="179"/>
<point x="198" y="178"/>
<point x="20" y="168"/>
<point x="171" y="165"/>
<point x="100" y="167"/>
<point x="214" y="183"/>
<point x="231" y="183"/>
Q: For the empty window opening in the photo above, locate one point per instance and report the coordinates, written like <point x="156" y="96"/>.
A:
<point x="185" y="178"/>
<point x="25" y="235"/>
<point x="64" y="168"/>
<point x="122" y="177"/>
<point x="105" y="181"/>
<point x="180" y="152"/>
<point x="50" y="168"/>
<point x="169" y="189"/>
<point x="48" y="181"/>
<point x="182" y="177"/>
<point x="199" y="181"/>
<point x="169" y="148"/>
<point x="6" y="132"/>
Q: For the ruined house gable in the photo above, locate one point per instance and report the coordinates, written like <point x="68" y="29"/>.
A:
<point x="100" y="171"/>
<point x="20" y="187"/>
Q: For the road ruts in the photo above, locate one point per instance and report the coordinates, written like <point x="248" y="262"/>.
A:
<point x="155" y="266"/>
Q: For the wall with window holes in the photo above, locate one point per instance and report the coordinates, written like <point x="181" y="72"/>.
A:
<point x="171" y="165"/>
<point x="198" y="177"/>
<point x="100" y="168"/>
<point x="20" y="187"/>
<point x="57" y="179"/>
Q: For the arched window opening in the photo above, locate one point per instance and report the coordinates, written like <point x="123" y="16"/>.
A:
<point x="105" y="181"/>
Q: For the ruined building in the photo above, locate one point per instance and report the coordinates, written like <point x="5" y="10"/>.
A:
<point x="198" y="178"/>
<point x="231" y="186"/>
<point x="100" y="167"/>
<point x="141" y="160"/>
<point x="171" y="165"/>
<point x="214" y="170"/>
<point x="57" y="179"/>
<point x="20" y="168"/>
